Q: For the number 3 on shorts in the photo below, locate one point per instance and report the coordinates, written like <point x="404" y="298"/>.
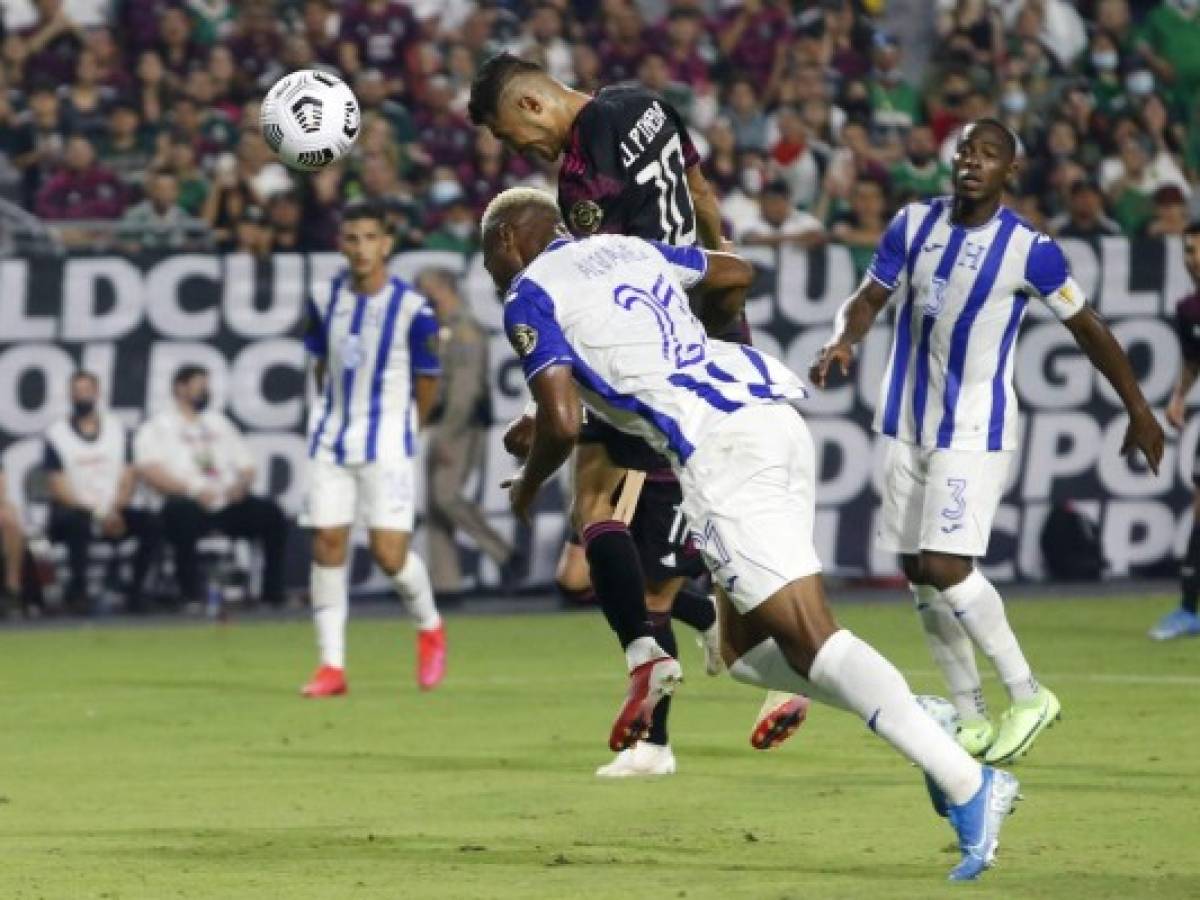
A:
<point x="958" y="487"/>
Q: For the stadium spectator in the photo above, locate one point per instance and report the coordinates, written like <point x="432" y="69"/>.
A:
<point x="683" y="35"/>
<point x="946" y="104"/>
<point x="655" y="75"/>
<point x="779" y="222"/>
<point x="1169" y="42"/>
<point x="1103" y="73"/>
<point x="721" y="165"/>
<point x="252" y="232"/>
<point x="971" y="32"/>
<point x="1170" y="213"/>
<point x="861" y="227"/>
<point x="1113" y="17"/>
<point x="1130" y="179"/>
<point x="209" y="131"/>
<point x="12" y="553"/>
<point x="458" y="430"/>
<point x="489" y="172"/>
<point x="82" y="189"/>
<point x="110" y="61"/>
<point x="371" y="88"/>
<point x="319" y="26"/>
<point x="379" y="182"/>
<point x="1085" y="217"/>
<point x="753" y="36"/>
<point x="920" y="173"/>
<point x="152" y="87"/>
<point x="210" y="19"/>
<point x="127" y="149"/>
<point x="285" y="216"/>
<point x="621" y="45"/>
<point x="745" y="115"/>
<point x="254" y="44"/>
<point x="201" y="465"/>
<point x="160" y="223"/>
<point x="92" y="483"/>
<point x="179" y="155"/>
<point x="457" y="227"/>
<point x="137" y="23"/>
<point x="223" y="70"/>
<point x="49" y="48"/>
<point x="179" y="54"/>
<point x="444" y="134"/>
<point x="542" y="32"/>
<point x="84" y="101"/>
<point x="797" y="160"/>
<point x="895" y="104"/>
<point x="379" y="34"/>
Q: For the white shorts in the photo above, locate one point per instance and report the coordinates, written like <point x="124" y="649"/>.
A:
<point x="749" y="493"/>
<point x="941" y="500"/>
<point x="380" y="495"/>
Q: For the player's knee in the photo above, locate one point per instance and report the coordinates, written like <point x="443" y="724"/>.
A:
<point x="390" y="559"/>
<point x="329" y="548"/>
<point x="943" y="570"/>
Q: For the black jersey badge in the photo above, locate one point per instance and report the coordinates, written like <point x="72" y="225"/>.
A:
<point x="586" y="216"/>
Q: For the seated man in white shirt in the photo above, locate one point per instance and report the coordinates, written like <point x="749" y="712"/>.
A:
<point x="779" y="222"/>
<point x="91" y="484"/>
<point x="197" y="459"/>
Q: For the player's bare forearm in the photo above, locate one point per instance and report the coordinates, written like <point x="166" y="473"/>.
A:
<point x="1098" y="343"/>
<point x="556" y="426"/>
<point x="858" y="314"/>
<point x="426" y="390"/>
<point x="1187" y="377"/>
<point x="319" y="368"/>
<point x="60" y="491"/>
<point x="708" y="211"/>
<point x="721" y="294"/>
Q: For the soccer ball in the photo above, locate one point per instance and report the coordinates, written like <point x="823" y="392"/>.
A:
<point x="941" y="711"/>
<point x="310" y="119"/>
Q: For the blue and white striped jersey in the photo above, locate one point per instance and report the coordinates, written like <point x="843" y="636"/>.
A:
<point x="962" y="295"/>
<point x="615" y="309"/>
<point x="374" y="347"/>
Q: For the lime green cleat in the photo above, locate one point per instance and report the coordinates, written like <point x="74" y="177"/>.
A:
<point x="1020" y="726"/>
<point x="976" y="735"/>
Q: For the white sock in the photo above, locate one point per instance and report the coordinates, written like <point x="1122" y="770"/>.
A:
<point x="765" y="665"/>
<point x="330" y="606"/>
<point x="979" y="608"/>
<point x="952" y="651"/>
<point x="868" y="684"/>
<point x="642" y="650"/>
<point x="413" y="585"/>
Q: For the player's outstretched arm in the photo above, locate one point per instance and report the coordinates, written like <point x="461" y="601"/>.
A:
<point x="708" y="211"/>
<point x="555" y="430"/>
<point x="721" y="294"/>
<point x="850" y="326"/>
<point x="1097" y="342"/>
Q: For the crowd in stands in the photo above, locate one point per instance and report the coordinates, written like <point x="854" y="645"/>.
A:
<point x="815" y="118"/>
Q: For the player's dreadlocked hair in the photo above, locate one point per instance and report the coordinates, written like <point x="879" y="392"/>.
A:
<point x="491" y="80"/>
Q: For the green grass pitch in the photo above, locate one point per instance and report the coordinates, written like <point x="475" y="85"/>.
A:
<point x="180" y="762"/>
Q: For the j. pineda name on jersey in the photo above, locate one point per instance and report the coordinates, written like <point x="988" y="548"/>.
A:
<point x="642" y="134"/>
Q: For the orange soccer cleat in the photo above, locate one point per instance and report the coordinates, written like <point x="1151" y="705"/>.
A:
<point x="431" y="657"/>
<point x="329" y="681"/>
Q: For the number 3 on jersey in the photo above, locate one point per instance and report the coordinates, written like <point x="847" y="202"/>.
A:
<point x="676" y="214"/>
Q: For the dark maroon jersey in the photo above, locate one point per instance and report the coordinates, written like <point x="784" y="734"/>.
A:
<point x="1187" y="325"/>
<point x="623" y="170"/>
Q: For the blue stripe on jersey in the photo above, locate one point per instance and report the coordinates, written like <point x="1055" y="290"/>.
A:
<point x="891" y="410"/>
<point x="339" y="445"/>
<point x="661" y="422"/>
<point x="941" y="274"/>
<point x="705" y="392"/>
<point x="381" y="361"/>
<point x="334" y="290"/>
<point x="999" y="395"/>
<point x="961" y="336"/>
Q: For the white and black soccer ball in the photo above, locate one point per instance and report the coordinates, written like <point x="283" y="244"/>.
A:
<point x="941" y="711"/>
<point x="309" y="119"/>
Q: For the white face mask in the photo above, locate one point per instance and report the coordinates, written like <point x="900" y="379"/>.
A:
<point x="752" y="181"/>
<point x="1105" y="60"/>
<point x="1140" y="83"/>
<point x="444" y="191"/>
<point x="1015" y="102"/>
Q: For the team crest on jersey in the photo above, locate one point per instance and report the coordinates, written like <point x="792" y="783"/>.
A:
<point x="524" y="338"/>
<point x="586" y="216"/>
<point x="935" y="300"/>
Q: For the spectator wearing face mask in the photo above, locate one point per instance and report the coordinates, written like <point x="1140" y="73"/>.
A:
<point x="895" y="104"/>
<point x="91" y="485"/>
<point x="458" y="228"/>
<point x="201" y="465"/>
<point x="1084" y="218"/>
<point x="1130" y="179"/>
<point x="1102" y="68"/>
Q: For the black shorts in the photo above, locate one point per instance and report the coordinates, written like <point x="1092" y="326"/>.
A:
<point x="625" y="450"/>
<point x="661" y="534"/>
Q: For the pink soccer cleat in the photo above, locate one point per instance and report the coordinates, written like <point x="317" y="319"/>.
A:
<point x="431" y="657"/>
<point x="778" y="721"/>
<point x="648" y="683"/>
<point x="329" y="681"/>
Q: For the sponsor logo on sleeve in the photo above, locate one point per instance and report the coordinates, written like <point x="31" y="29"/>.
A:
<point x="524" y="339"/>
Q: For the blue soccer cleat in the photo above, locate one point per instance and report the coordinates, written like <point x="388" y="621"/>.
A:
<point x="978" y="822"/>
<point x="1176" y="624"/>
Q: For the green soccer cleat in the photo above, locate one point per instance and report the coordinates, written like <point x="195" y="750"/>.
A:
<point x="1020" y="726"/>
<point x="976" y="735"/>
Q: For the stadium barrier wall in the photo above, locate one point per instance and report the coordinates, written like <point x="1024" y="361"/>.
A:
<point x="134" y="321"/>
